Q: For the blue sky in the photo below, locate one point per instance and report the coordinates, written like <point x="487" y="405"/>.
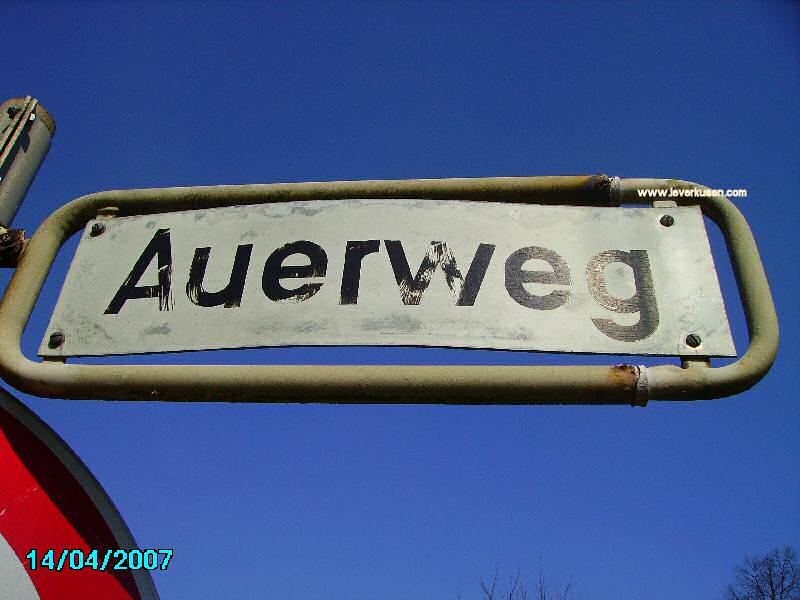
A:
<point x="314" y="502"/>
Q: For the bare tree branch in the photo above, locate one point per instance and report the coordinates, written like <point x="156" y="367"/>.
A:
<point x="774" y="576"/>
<point x="490" y="592"/>
<point x="518" y="587"/>
<point x="512" y="584"/>
<point x="542" y="592"/>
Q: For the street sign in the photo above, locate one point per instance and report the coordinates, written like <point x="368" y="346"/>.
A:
<point x="394" y="272"/>
<point x="57" y="524"/>
<point x="623" y="291"/>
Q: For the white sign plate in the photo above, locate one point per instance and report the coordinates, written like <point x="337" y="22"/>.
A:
<point x="394" y="272"/>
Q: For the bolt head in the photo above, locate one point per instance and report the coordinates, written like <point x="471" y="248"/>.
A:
<point x="667" y="220"/>
<point x="693" y="340"/>
<point x="9" y="240"/>
<point x="97" y="229"/>
<point x="56" y="340"/>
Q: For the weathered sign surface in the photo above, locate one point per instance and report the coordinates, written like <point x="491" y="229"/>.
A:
<point x="394" y="272"/>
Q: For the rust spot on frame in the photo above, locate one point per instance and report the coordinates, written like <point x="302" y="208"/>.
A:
<point x="625" y="376"/>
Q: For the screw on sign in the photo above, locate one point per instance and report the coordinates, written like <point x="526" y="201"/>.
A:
<point x="56" y="339"/>
<point x="57" y="524"/>
<point x="693" y="340"/>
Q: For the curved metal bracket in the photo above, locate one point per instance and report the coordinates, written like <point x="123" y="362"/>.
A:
<point x="671" y="382"/>
<point x="571" y="384"/>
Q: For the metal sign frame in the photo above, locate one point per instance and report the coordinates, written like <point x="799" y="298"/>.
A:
<point x="569" y="384"/>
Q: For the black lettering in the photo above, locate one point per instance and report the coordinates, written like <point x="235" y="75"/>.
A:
<point x="160" y="247"/>
<point x="274" y="271"/>
<point x="351" y="277"/>
<point x="475" y="275"/>
<point x="643" y="300"/>
<point x="516" y="277"/>
<point x="438" y="255"/>
<point x="231" y="295"/>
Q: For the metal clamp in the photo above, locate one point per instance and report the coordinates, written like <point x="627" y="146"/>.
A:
<point x="12" y="243"/>
<point x="27" y="132"/>
<point x="21" y="116"/>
